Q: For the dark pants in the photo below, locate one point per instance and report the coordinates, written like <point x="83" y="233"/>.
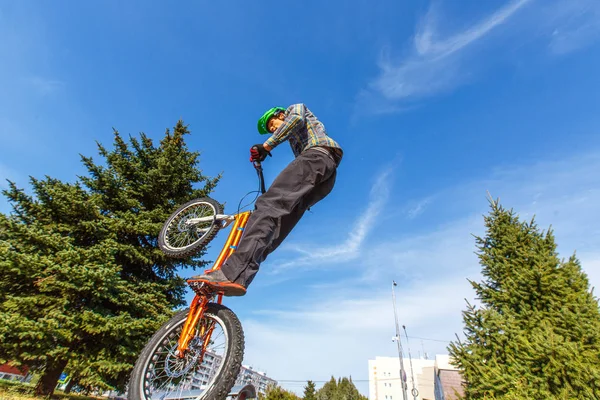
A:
<point x="303" y="183"/>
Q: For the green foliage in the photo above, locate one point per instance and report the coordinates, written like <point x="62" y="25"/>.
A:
<point x="81" y="278"/>
<point x="536" y="333"/>
<point x="14" y="390"/>
<point x="309" y="391"/>
<point x="342" y="389"/>
<point x="277" y="393"/>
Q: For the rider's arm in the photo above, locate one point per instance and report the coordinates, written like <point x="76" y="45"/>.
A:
<point x="293" y="121"/>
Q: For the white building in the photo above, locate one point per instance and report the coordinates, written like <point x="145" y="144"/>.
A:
<point x="433" y="379"/>
<point x="246" y="376"/>
<point x="385" y="384"/>
<point x="260" y="380"/>
<point x="206" y="371"/>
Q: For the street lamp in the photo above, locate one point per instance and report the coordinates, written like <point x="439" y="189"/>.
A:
<point x="397" y="339"/>
<point x="414" y="390"/>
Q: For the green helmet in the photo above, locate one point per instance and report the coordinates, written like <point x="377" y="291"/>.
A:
<point x="262" y="122"/>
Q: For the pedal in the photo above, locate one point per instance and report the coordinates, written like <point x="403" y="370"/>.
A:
<point x="202" y="289"/>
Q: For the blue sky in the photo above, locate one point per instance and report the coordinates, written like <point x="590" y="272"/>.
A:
<point x="435" y="103"/>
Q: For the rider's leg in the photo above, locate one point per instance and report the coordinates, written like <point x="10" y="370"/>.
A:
<point x="287" y="222"/>
<point x="301" y="184"/>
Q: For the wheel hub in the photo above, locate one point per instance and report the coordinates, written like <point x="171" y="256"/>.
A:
<point x="176" y="366"/>
<point x="183" y="225"/>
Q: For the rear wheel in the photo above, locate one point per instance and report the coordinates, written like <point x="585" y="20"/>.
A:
<point x="208" y="373"/>
<point x="179" y="238"/>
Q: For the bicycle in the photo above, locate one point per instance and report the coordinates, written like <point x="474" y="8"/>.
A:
<point x="180" y="361"/>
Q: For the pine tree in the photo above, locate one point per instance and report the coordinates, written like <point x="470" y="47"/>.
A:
<point x="342" y="389"/>
<point x="536" y="333"/>
<point x="309" y="391"/>
<point x="347" y="391"/>
<point x="82" y="282"/>
<point x="327" y="392"/>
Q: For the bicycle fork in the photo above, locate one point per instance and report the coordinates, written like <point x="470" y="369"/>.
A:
<point x="205" y="294"/>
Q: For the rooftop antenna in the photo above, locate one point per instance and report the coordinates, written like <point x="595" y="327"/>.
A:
<point x="397" y="339"/>
<point x="414" y="390"/>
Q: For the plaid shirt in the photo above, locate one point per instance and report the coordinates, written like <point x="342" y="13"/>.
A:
<point x="303" y="130"/>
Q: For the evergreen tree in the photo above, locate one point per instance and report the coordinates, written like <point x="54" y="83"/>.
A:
<point x="309" y="391"/>
<point x="343" y="389"/>
<point x="327" y="392"/>
<point x="536" y="333"/>
<point x="277" y="393"/>
<point x="82" y="281"/>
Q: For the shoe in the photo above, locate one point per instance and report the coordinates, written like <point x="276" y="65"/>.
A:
<point x="217" y="280"/>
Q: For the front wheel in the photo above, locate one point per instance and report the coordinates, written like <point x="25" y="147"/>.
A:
<point x="204" y="373"/>
<point x="179" y="238"/>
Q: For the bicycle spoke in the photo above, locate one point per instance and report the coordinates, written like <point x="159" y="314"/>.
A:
<point x="169" y="376"/>
<point x="181" y="235"/>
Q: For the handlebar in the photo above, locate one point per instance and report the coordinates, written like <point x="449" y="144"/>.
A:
<point x="261" y="178"/>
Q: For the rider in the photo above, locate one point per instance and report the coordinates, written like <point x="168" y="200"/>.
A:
<point x="304" y="182"/>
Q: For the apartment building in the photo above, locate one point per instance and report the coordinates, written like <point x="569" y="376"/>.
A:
<point x="260" y="380"/>
<point x="247" y="375"/>
<point x="435" y="379"/>
<point x="385" y="384"/>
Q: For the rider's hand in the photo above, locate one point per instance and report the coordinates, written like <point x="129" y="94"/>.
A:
<point x="258" y="153"/>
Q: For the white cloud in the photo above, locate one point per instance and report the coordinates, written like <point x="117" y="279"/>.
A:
<point x="574" y="24"/>
<point x="434" y="64"/>
<point x="590" y="261"/>
<point x="335" y="327"/>
<point x="419" y="207"/>
<point x="427" y="45"/>
<point x="437" y="63"/>
<point x="350" y="248"/>
<point x="338" y="335"/>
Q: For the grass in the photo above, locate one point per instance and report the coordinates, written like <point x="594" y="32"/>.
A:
<point x="11" y="390"/>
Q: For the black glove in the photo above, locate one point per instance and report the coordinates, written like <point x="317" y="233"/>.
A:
<point x="258" y="153"/>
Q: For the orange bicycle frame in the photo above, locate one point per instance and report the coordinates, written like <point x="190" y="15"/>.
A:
<point x="199" y="303"/>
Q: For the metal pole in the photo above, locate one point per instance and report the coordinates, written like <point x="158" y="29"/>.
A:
<point x="414" y="390"/>
<point x="402" y="373"/>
